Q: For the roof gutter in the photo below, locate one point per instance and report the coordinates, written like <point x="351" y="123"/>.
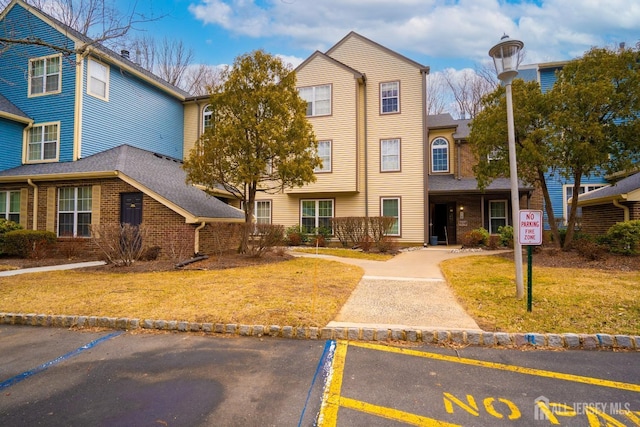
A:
<point x="616" y="203"/>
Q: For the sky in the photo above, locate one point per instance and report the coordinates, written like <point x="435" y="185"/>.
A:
<point x="440" y="34"/>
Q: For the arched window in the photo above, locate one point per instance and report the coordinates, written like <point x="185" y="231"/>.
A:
<point x="440" y="155"/>
<point x="207" y="117"/>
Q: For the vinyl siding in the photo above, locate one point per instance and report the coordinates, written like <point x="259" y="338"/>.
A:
<point x="192" y="125"/>
<point x="136" y="113"/>
<point x="340" y="127"/>
<point x="555" y="184"/>
<point x="14" y="64"/>
<point x="380" y="66"/>
<point x="548" y="78"/>
<point x="11" y="142"/>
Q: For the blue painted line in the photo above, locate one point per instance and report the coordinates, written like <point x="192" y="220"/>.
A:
<point x="23" y="376"/>
<point x="324" y="365"/>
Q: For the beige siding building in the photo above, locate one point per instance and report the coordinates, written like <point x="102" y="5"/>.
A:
<point x="367" y="107"/>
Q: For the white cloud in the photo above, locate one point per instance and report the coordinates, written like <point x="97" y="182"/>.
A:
<point x="441" y="29"/>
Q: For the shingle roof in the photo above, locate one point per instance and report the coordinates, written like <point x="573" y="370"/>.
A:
<point x="451" y="184"/>
<point x="439" y="121"/>
<point x="7" y="107"/>
<point x="624" y="186"/>
<point x="162" y="175"/>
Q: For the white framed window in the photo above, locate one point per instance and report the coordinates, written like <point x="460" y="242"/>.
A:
<point x="207" y="117"/>
<point x="74" y="211"/>
<point x="389" y="155"/>
<point x="262" y="211"/>
<point x="390" y="206"/>
<point x="440" y="155"/>
<point x="43" y="142"/>
<point x="318" y="99"/>
<point x="497" y="215"/>
<point x="324" y="152"/>
<point x="45" y="75"/>
<point x="10" y="205"/>
<point x="389" y="97"/>
<point x="494" y="155"/>
<point x="568" y="193"/>
<point x="315" y="214"/>
<point x="98" y="79"/>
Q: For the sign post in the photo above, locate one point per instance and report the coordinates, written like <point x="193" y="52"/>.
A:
<point x="530" y="234"/>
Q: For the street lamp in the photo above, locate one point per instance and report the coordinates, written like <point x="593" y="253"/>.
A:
<point x="506" y="58"/>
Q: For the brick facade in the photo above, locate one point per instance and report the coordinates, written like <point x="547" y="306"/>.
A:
<point x="596" y="220"/>
<point x="163" y="227"/>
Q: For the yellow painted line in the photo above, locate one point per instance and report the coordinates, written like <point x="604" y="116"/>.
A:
<point x="393" y="414"/>
<point x="331" y="399"/>
<point x="503" y="367"/>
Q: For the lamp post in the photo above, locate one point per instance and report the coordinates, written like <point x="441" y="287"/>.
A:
<point x="506" y="58"/>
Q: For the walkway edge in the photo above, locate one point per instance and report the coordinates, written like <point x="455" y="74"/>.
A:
<point x="380" y="334"/>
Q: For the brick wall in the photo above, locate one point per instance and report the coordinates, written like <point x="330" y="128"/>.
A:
<point x="596" y="220"/>
<point x="163" y="227"/>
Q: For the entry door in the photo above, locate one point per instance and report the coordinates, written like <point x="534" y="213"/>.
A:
<point x="131" y="208"/>
<point x="451" y="222"/>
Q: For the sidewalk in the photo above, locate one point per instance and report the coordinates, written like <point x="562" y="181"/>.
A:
<point x="50" y="268"/>
<point x="408" y="291"/>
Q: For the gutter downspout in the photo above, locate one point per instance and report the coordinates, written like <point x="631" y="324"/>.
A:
<point x="366" y="143"/>
<point x="35" y="203"/>
<point x="617" y="204"/>
<point x="196" y="237"/>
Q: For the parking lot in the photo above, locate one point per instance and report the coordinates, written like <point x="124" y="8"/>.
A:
<point x="52" y="376"/>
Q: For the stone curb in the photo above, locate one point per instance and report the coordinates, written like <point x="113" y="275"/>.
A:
<point x="431" y="336"/>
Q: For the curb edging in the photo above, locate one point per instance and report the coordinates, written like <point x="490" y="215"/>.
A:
<point x="429" y="336"/>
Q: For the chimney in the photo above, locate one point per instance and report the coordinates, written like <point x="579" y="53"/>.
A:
<point x="124" y="54"/>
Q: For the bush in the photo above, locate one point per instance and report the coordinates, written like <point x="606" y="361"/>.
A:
<point x="589" y="249"/>
<point x="5" y="227"/>
<point x="350" y="231"/>
<point x="476" y="238"/>
<point x="35" y="244"/>
<point x="121" y="244"/>
<point x="506" y="236"/>
<point x="294" y="236"/>
<point x="265" y="238"/>
<point x="624" y="238"/>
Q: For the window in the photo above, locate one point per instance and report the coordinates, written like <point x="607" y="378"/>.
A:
<point x="318" y="99"/>
<point x="391" y="207"/>
<point x="43" y="142"/>
<point x="324" y="152"/>
<point x="74" y="212"/>
<point x="10" y="205"/>
<point x="98" y="79"/>
<point x="389" y="155"/>
<point x="316" y="214"/>
<point x="497" y="215"/>
<point x="568" y="193"/>
<point x="44" y="75"/>
<point x="207" y="118"/>
<point x="440" y="155"/>
<point x="494" y="155"/>
<point x="390" y="97"/>
<point x="262" y="211"/>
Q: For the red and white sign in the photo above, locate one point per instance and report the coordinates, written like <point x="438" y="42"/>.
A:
<point x="530" y="227"/>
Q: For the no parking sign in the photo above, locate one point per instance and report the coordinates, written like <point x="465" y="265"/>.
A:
<point x="530" y="227"/>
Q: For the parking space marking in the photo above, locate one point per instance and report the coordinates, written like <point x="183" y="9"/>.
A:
<point x="23" y="376"/>
<point x="504" y="367"/>
<point x="332" y="400"/>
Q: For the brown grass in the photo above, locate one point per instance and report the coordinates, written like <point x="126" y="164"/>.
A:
<point x="298" y="292"/>
<point x="564" y="299"/>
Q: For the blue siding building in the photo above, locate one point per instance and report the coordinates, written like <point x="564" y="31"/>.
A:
<point x="560" y="189"/>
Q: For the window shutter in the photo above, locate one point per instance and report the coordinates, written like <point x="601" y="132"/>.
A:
<point x="51" y="209"/>
<point x="95" y="204"/>
<point x="24" y="206"/>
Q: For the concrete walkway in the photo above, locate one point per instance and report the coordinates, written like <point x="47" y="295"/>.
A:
<point x="51" y="268"/>
<point x="408" y="291"/>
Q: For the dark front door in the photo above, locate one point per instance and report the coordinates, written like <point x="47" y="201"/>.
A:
<point x="439" y="221"/>
<point x="131" y="208"/>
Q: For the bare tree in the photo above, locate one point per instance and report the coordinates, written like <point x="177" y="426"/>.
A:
<point x="98" y="20"/>
<point x="198" y="79"/>
<point x="467" y="89"/>
<point x="437" y="94"/>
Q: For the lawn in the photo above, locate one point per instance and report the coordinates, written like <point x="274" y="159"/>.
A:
<point x="297" y="292"/>
<point x="579" y="300"/>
